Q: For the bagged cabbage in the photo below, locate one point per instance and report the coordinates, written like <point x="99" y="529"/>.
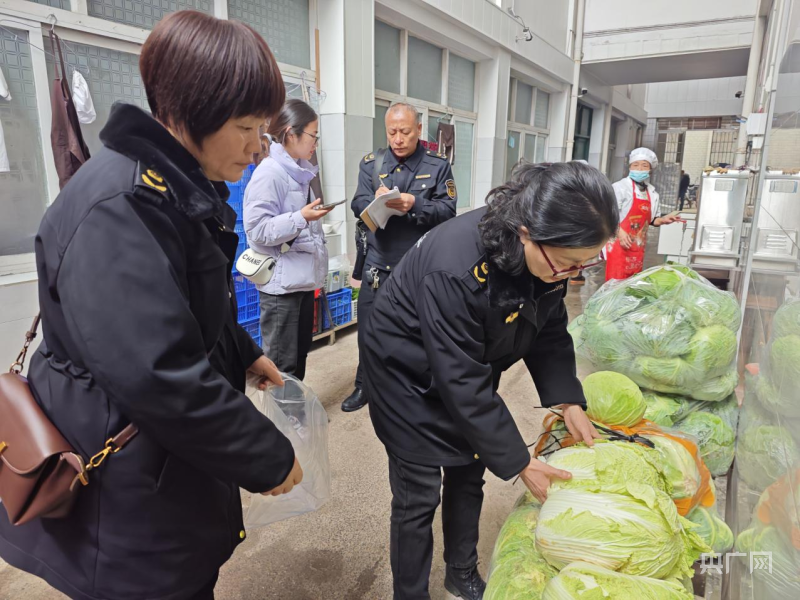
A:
<point x="667" y="328"/>
<point x="662" y="409"/>
<point x="715" y="438"/>
<point x="608" y="463"/>
<point x="654" y="332"/>
<point x="679" y="467"/>
<point x="783" y="401"/>
<point x="634" y="529"/>
<point x="585" y="581"/>
<point x="518" y="571"/>
<point x="787" y="319"/>
<point x="727" y="410"/>
<point x="613" y="399"/>
<point x="665" y="373"/>
<point x="714" y="531"/>
<point x="709" y="306"/>
<point x="715" y="389"/>
<point x="711" y="348"/>
<point x="783" y="582"/>
<point x="785" y="363"/>
<point x="764" y="454"/>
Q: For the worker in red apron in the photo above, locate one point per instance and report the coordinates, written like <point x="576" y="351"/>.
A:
<point x="638" y="204"/>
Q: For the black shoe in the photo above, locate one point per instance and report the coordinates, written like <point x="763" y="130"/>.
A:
<point x="354" y="401"/>
<point x="464" y="583"/>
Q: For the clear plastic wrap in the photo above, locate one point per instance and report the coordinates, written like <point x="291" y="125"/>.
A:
<point x="299" y="415"/>
<point x="775" y="531"/>
<point x="518" y="571"/>
<point x="666" y="328"/>
<point x="583" y="580"/>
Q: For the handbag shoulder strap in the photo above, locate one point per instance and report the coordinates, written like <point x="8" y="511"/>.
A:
<point x="377" y="165"/>
<point x="30" y="335"/>
<point x="113" y="445"/>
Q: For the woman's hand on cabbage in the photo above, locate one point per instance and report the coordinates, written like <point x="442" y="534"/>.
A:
<point x="537" y="475"/>
<point x="579" y="425"/>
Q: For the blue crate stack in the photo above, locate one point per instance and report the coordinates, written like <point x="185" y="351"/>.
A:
<point x="341" y="305"/>
<point x="246" y="292"/>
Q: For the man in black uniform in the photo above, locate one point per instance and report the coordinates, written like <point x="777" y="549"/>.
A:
<point x="428" y="198"/>
<point x="468" y="301"/>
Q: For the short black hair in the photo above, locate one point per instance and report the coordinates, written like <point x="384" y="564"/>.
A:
<point x="294" y="117"/>
<point x="567" y="205"/>
<point x="199" y="72"/>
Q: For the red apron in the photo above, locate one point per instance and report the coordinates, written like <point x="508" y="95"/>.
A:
<point x="621" y="263"/>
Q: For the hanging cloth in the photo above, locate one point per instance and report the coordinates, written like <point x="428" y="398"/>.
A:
<point x="69" y="148"/>
<point x="446" y="137"/>
<point x="622" y="263"/>
<point x="5" y="166"/>
<point x="5" y="93"/>
<point x="84" y="105"/>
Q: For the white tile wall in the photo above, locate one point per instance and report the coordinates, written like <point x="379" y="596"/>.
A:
<point x="20" y="303"/>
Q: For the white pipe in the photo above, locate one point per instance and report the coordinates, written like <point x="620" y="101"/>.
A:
<point x="781" y="10"/>
<point x="750" y="85"/>
<point x="577" y="57"/>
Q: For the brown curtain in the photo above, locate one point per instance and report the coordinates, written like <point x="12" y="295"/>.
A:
<point x="69" y="148"/>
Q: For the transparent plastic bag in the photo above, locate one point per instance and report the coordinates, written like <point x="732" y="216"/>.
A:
<point x="666" y="328"/>
<point x="775" y="529"/>
<point x="299" y="415"/>
<point x="518" y="571"/>
<point x="713" y="424"/>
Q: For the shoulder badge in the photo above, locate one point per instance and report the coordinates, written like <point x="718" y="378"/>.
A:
<point x="369" y="157"/>
<point x="480" y="271"/>
<point x="149" y="179"/>
<point x="437" y="155"/>
<point x="154" y="180"/>
<point x="451" y="188"/>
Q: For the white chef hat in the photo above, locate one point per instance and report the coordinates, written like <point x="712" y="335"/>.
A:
<point x="644" y="154"/>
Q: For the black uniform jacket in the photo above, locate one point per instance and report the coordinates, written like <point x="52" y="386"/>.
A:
<point x="134" y="261"/>
<point x="425" y="175"/>
<point x="442" y="331"/>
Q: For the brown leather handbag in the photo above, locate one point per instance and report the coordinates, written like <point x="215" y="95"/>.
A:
<point x="40" y="473"/>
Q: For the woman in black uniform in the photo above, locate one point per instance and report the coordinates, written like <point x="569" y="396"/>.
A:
<point x="469" y="300"/>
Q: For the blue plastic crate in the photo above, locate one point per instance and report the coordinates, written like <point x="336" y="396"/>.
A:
<point x="341" y="305"/>
<point x="247" y="298"/>
<point x="236" y="199"/>
<point x="253" y="327"/>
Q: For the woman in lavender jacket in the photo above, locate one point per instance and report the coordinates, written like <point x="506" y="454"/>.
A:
<point x="281" y="220"/>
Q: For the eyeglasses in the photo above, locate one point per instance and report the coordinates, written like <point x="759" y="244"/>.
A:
<point x="557" y="272"/>
<point x="316" y="137"/>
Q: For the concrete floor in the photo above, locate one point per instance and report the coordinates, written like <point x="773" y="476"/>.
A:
<point x="342" y="551"/>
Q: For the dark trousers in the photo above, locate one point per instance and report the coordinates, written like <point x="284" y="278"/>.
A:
<point x="366" y="298"/>
<point x="287" y="321"/>
<point x="416" y="492"/>
<point x="207" y="592"/>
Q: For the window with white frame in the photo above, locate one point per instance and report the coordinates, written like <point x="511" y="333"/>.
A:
<point x="440" y="83"/>
<point x="283" y="23"/>
<point x="108" y="60"/>
<point x="23" y="182"/>
<point x="528" y="124"/>
<point x="143" y="13"/>
<point x="112" y="76"/>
